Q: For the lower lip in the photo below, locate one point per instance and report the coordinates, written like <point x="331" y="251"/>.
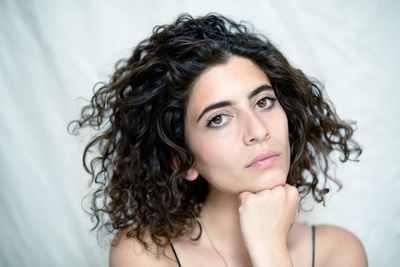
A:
<point x="265" y="163"/>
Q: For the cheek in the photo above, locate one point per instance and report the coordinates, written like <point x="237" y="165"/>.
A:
<point x="214" y="151"/>
<point x="281" y="132"/>
<point x="285" y="140"/>
<point x="214" y="156"/>
<point x="280" y="126"/>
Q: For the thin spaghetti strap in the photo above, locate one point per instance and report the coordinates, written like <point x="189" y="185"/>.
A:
<point x="313" y="244"/>
<point x="176" y="256"/>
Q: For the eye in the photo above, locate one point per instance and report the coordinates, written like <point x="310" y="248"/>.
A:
<point x="217" y="121"/>
<point x="265" y="102"/>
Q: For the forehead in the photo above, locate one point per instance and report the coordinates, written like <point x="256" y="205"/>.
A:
<point x="225" y="82"/>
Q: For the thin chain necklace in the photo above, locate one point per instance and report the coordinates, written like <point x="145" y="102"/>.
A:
<point x="212" y="244"/>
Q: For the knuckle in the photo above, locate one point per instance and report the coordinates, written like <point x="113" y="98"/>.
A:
<point x="265" y="194"/>
<point x="292" y="190"/>
<point x="279" y="189"/>
<point x="245" y="198"/>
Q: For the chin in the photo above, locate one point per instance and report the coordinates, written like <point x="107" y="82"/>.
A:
<point x="269" y="182"/>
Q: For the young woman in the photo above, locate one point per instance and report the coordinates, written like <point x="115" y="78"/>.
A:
<point x="208" y="138"/>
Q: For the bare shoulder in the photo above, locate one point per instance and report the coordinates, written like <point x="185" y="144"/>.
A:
<point x="129" y="252"/>
<point x="336" y="246"/>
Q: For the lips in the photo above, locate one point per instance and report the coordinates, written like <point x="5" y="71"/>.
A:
<point x="264" y="160"/>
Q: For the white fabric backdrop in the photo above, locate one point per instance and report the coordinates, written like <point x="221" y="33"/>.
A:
<point x="52" y="52"/>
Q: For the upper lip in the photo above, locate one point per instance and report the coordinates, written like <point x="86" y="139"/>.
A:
<point x="263" y="156"/>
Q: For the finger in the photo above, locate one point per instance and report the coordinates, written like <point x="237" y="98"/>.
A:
<point x="296" y="215"/>
<point x="244" y="196"/>
<point x="291" y="191"/>
<point x="279" y="192"/>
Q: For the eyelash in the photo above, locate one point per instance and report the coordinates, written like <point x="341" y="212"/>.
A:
<point x="210" y="121"/>
<point x="267" y="98"/>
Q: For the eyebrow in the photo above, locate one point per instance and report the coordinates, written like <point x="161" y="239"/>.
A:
<point x="264" y="87"/>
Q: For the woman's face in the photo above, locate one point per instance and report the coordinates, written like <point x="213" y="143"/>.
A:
<point x="236" y="129"/>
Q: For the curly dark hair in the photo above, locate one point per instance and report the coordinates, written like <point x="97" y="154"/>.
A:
<point x="139" y="116"/>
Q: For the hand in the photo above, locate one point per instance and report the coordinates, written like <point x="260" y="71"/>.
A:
<point x="265" y="219"/>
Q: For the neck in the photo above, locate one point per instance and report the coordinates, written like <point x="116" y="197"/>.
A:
<point x="220" y="216"/>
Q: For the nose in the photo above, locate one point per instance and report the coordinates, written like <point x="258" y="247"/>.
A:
<point x="255" y="129"/>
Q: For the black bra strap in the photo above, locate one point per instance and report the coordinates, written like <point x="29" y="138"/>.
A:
<point x="313" y="245"/>
<point x="176" y="256"/>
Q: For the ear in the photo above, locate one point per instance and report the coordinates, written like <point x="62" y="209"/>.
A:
<point x="191" y="173"/>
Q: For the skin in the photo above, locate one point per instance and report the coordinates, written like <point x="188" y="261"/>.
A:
<point x="250" y="212"/>
<point x="254" y="125"/>
<point x="252" y="198"/>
